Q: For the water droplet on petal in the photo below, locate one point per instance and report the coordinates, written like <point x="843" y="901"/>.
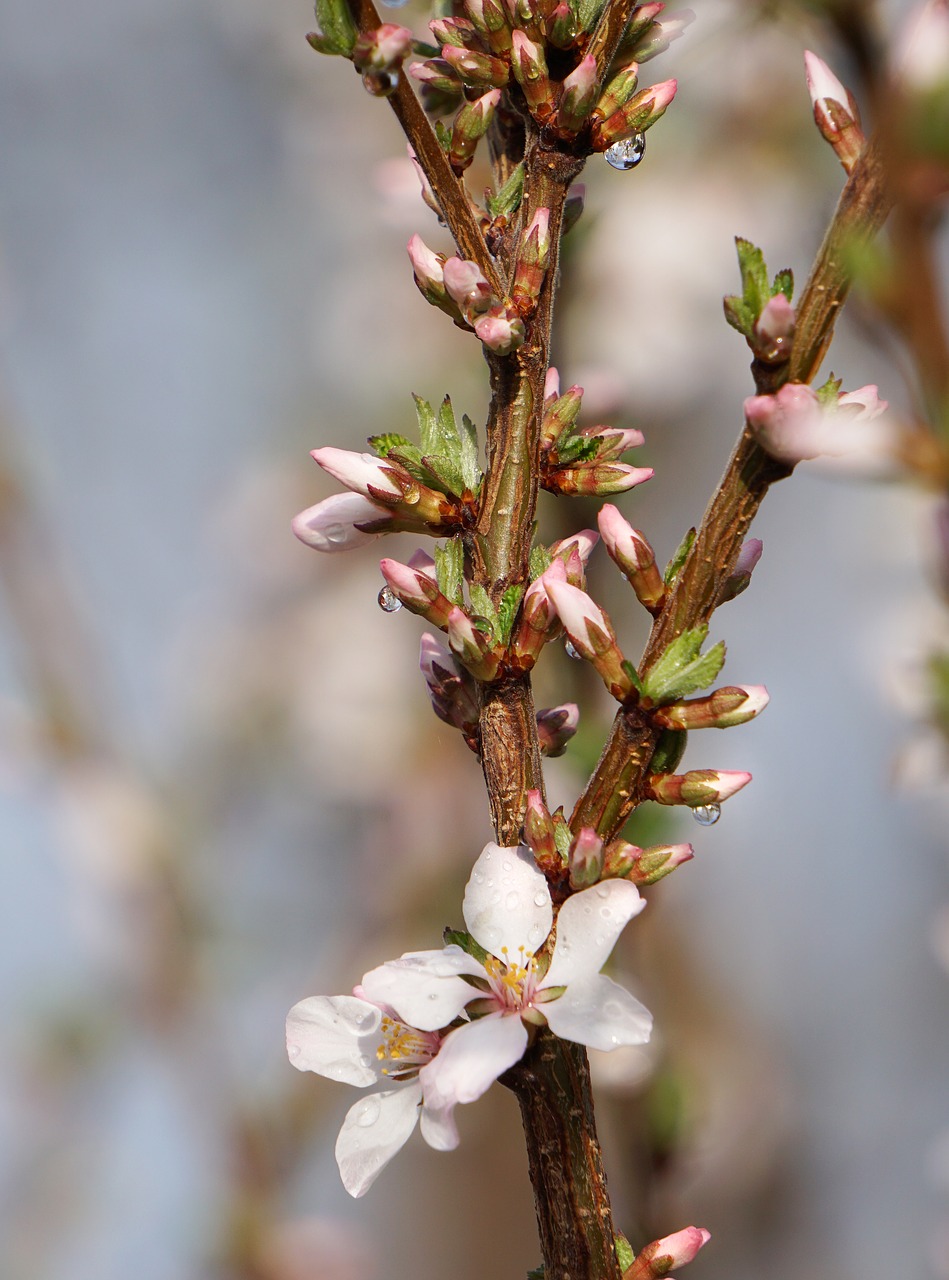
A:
<point x="570" y="651"/>
<point x="606" y="913"/>
<point x="335" y="533"/>
<point x="389" y="602"/>
<point x="368" y="1112"/>
<point x="602" y="891"/>
<point x="707" y="814"/>
<point x="477" y="877"/>
<point x="541" y="899"/>
<point x="612" y="1009"/>
<point x="628" y="153"/>
<point x="433" y="995"/>
<point x="587" y="909"/>
<point x="394" y="4"/>
<point x="293" y="1051"/>
<point x="365" y="1060"/>
<point x="512" y="901"/>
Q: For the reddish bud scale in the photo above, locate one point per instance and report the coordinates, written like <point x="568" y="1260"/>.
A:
<point x="722" y="709"/>
<point x="562" y="27"/>
<point x="638" y="115"/>
<point x="530" y="71"/>
<point x="539" y="836"/>
<point x="470" y="126"/>
<point x="697" y="787"/>
<point x="560" y="415"/>
<point x="597" y="480"/>
<point x="618" y="91"/>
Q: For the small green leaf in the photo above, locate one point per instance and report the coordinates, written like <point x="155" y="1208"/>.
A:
<point x="384" y="444"/>
<point x="738" y="315"/>
<point x="469" y="458"/>
<point x="539" y="561"/>
<point x="427" y="425"/>
<point x="682" y="667"/>
<point x="445" y="472"/>
<point x="449" y="569"/>
<point x="754" y="276"/>
<point x="443" y="135"/>
<point x="483" y="606"/>
<point x="576" y="448"/>
<point x="633" y="676"/>
<point x="563" y="839"/>
<point x="458" y="938"/>
<point x="510" y="603"/>
<point x="784" y="283"/>
<point x="508" y="197"/>
<point x="588" y="11"/>
<point x="336" y="25"/>
<point x="624" y="1252"/>
<point x="674" y="566"/>
<point x="828" y="393"/>
<point x="669" y="751"/>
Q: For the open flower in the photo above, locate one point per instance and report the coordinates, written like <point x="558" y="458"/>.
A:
<point x="509" y="914"/>
<point x="353" y="1040"/>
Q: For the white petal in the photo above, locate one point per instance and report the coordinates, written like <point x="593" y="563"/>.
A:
<point x="438" y="1128"/>
<point x="375" y="1128"/>
<point x="507" y="902"/>
<point x="587" y="928"/>
<point x="471" y="1059"/>
<point x="336" y="1036"/>
<point x="330" y="525"/>
<point x="598" y="1012"/>
<point x="424" y="987"/>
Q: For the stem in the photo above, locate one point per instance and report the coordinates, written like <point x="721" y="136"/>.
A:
<point x="615" y="788"/>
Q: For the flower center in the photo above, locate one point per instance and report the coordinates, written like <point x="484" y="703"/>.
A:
<point x="513" y="982"/>
<point x="404" y="1049"/>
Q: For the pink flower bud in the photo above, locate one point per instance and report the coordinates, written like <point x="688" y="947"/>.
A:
<point x="835" y="111"/>
<point x="630" y="550"/>
<point x="773" y="330"/>
<point x="339" y="523"/>
<point x="740" y="577"/>
<point x="576" y="96"/>
<point x="501" y="333"/>
<point x="362" y="472"/>
<point x="539" y="836"/>
<point x="585" y="859"/>
<point x="866" y="401"/>
<point x="474" y="648"/>
<point x="466" y="284"/>
<point x="476" y="69"/>
<point x="697" y="787"/>
<point x="530" y="70"/>
<point x="417" y="591"/>
<point x="732" y="705"/>
<point x="596" y="479"/>
<point x="638" y="115"/>
<point x="787" y="425"/>
<point x="590" y="631"/>
<point x="551" y="385"/>
<point x="681" y="1247"/>
<point x="555" y="727"/>
<point x="644" y="866"/>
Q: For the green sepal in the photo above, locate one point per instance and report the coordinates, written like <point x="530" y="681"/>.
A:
<point x="563" y="837"/>
<point x="421" y="49"/>
<point x="539" y="561"/>
<point x="633" y="676"/>
<point x="669" y="751"/>
<point x="588" y="11"/>
<point x="828" y="393"/>
<point x="459" y="938"/>
<point x="384" y="444"/>
<point x="443" y="134"/>
<point x="449" y="570"/>
<point x="322" y="44"/>
<point x="508" y="197"/>
<point x="337" y="28"/>
<point x="624" y="1252"/>
<point x="510" y="603"/>
<point x="682" y="667"/>
<point x="674" y="567"/>
<point x="483" y="606"/>
<point x="783" y="283"/>
<point x="577" y="448"/>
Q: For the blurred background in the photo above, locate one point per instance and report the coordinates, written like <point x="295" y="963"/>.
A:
<point x="222" y="787"/>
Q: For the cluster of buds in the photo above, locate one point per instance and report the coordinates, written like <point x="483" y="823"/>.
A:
<point x="583" y="460"/>
<point x="512" y="44"/>
<point x="459" y="288"/>
<point x="582" y="859"/>
<point x="378" y="56"/>
<point x="836" y="113"/>
<point x="798" y="423"/>
<point x="539" y="621"/>
<point x="383" y="498"/>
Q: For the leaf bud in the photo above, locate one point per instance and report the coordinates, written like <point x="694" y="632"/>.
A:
<point x="722" y="709"/>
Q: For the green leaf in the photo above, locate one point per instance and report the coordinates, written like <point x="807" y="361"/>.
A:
<point x="483" y="606"/>
<point x="539" y="560"/>
<point x="443" y="135"/>
<point x="446" y="472"/>
<point x="416" y="466"/>
<point x="577" y="448"/>
<point x="469" y="457"/>
<point x="754" y="276"/>
<point x="427" y="425"/>
<point x="682" y="667"/>
<point x="624" y="1252"/>
<point x="508" y="197"/>
<point x="784" y="283"/>
<point x="384" y="444"/>
<point x="337" y="28"/>
<point x="588" y="11"/>
<point x="450" y="568"/>
<point x="674" y="566"/>
<point x="459" y="938"/>
<point x="828" y="393"/>
<point x="510" y="603"/>
<point x="563" y="839"/>
<point x="738" y="315"/>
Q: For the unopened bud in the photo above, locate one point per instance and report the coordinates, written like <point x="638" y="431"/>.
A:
<point x="644" y="866"/>
<point x="532" y="258"/>
<point x="563" y="27"/>
<point x="585" y="859"/>
<point x="630" y="550"/>
<point x="660" y="1257"/>
<point x="638" y="115"/>
<point x="773" y="331"/>
<point x="697" y="787"/>
<point x="560" y="415"/>
<point x="577" y="95"/>
<point x="436" y="74"/>
<point x="530" y="71"/>
<point x="452" y="689"/>
<point x="597" y="480"/>
<point x="740" y="576"/>
<point x="477" y="70"/>
<point x="591" y="633"/>
<point x="467" y="286"/>
<point x="618" y="91"/>
<point x="538" y="623"/>
<point x="455" y="31"/>
<point x="722" y="709"/>
<point x="836" y="113"/>
<point x="555" y="727"/>
<point x="418" y="591"/>
<point x="539" y="835"/>
<point x="575" y="553"/>
<point x="490" y="20"/>
<point x="430" y="276"/>
<point x="471" y="124"/>
<point x="384" y="49"/>
<point x="501" y="330"/>
<point x="476" y="649"/>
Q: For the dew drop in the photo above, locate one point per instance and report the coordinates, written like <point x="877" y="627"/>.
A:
<point x="612" y="1009"/>
<point x="477" y="877"/>
<point x="602" y="891"/>
<point x="540" y="899"/>
<point x="365" y="1060"/>
<point x="707" y="814"/>
<point x="606" y="913"/>
<point x="628" y="153"/>
<point x="368" y="1112"/>
<point x="512" y="901"/>
<point x="335" y="534"/>
<point x="293" y="1051"/>
<point x="389" y="602"/>
<point x="570" y="651"/>
<point x="433" y="995"/>
<point x="394" y="4"/>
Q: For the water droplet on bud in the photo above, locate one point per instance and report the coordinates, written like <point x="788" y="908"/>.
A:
<point x="368" y="1112"/>
<point x="570" y="651"/>
<point x="706" y="815"/>
<point x="394" y="4"/>
<point x="389" y="602"/>
<point x="628" y="153"/>
<point x="293" y="1051"/>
